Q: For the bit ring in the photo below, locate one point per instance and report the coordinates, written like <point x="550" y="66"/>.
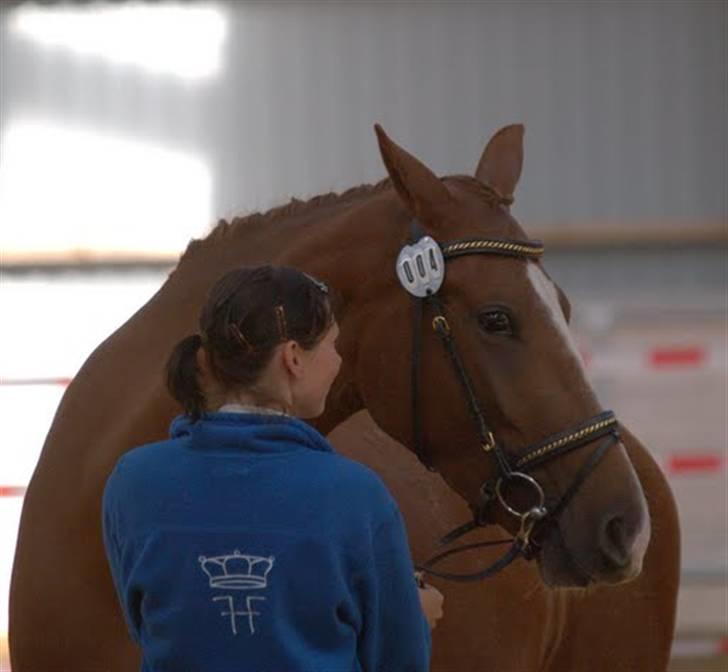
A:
<point x="531" y="481"/>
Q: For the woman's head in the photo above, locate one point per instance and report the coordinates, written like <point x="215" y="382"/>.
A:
<point x="266" y="337"/>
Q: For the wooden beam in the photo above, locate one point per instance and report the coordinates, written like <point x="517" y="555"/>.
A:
<point x="639" y="233"/>
<point x="556" y="235"/>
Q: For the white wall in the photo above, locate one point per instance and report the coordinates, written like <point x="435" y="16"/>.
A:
<point x="624" y="102"/>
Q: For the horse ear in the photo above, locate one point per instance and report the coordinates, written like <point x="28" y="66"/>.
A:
<point x="421" y="190"/>
<point x="502" y="160"/>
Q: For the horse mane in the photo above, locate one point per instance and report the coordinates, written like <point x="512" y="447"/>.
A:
<point x="225" y="229"/>
<point x="294" y="208"/>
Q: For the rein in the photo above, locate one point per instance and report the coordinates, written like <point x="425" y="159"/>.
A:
<point x="421" y="271"/>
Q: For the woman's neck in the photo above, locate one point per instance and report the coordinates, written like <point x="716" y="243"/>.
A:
<point x="236" y="407"/>
<point x="256" y="399"/>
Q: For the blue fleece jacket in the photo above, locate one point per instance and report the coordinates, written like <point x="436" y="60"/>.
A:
<point x="244" y="543"/>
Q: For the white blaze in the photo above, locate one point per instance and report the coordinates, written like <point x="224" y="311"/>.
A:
<point x="550" y="298"/>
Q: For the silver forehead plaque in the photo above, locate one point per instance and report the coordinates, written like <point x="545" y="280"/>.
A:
<point x="421" y="267"/>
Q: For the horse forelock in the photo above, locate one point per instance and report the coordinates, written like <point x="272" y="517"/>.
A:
<point x="503" y="224"/>
<point x="475" y="186"/>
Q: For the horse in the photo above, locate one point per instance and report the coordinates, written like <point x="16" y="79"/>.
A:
<point x="447" y="428"/>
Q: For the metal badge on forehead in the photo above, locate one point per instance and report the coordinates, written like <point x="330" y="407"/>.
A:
<point x="421" y="267"/>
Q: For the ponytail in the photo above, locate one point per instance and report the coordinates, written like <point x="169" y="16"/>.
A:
<point x="183" y="376"/>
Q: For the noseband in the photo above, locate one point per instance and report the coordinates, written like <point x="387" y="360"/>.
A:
<point x="421" y="270"/>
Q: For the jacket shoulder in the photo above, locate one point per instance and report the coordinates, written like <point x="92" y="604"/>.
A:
<point x="360" y="486"/>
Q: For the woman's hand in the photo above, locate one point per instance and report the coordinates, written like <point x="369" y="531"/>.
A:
<point x="431" y="600"/>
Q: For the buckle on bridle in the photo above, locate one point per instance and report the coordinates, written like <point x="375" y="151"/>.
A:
<point x="489" y="442"/>
<point x="440" y="325"/>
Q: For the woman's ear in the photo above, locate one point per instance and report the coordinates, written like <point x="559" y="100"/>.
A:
<point x="290" y="353"/>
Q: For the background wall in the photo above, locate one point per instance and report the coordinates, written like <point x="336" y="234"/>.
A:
<point x="126" y="129"/>
<point x="624" y="105"/>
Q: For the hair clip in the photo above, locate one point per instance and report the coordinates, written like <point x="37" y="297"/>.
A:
<point x="282" y="327"/>
<point x="235" y="331"/>
<point x="320" y="285"/>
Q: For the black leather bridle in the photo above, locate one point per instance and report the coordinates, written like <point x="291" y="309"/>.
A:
<point x="537" y="518"/>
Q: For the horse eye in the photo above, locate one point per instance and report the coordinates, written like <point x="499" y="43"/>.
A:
<point x="496" y="322"/>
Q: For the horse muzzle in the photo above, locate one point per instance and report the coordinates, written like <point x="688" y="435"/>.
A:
<point x="605" y="548"/>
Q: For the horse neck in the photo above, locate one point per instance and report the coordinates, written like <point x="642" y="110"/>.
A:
<point x="354" y="252"/>
<point x="348" y="244"/>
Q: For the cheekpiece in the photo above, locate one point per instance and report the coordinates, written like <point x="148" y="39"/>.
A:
<point x="421" y="267"/>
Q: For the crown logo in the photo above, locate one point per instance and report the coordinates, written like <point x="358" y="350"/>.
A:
<point x="238" y="571"/>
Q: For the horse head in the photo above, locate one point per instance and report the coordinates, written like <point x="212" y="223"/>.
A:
<point x="507" y="323"/>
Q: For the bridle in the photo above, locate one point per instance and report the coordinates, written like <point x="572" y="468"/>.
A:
<point x="421" y="271"/>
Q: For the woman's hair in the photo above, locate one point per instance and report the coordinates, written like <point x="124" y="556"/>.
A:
<point x="248" y="312"/>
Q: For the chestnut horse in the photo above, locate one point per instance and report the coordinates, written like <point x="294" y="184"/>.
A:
<point x="600" y="589"/>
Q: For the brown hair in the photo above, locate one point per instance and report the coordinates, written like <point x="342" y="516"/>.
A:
<point x="248" y="312"/>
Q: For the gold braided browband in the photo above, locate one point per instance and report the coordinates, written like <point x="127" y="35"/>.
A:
<point x="574" y="436"/>
<point x="532" y="249"/>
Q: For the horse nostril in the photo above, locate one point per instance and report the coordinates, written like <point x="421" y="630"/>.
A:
<point x="614" y="542"/>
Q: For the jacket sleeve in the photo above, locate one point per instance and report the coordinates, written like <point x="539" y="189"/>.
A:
<point x="395" y="636"/>
<point x="119" y="562"/>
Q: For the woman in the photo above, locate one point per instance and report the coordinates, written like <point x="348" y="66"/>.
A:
<point x="244" y="542"/>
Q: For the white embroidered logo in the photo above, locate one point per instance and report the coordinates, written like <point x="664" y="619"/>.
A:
<point x="238" y="571"/>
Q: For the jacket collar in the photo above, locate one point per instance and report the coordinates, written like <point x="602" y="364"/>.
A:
<point x="248" y="432"/>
